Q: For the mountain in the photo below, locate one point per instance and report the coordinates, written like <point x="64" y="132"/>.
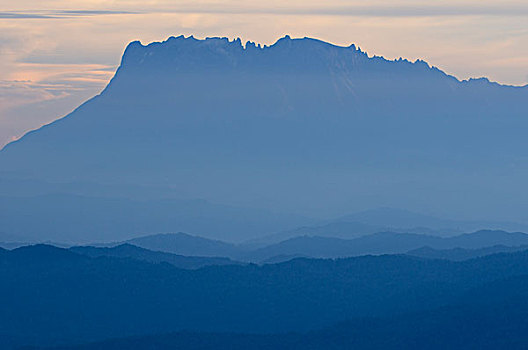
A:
<point x="300" y="126"/>
<point x="13" y="245"/>
<point x="132" y="252"/>
<point x="53" y="296"/>
<point x="184" y="244"/>
<point x="397" y="218"/>
<point x="386" y="220"/>
<point x="343" y="230"/>
<point x="381" y="243"/>
<point x="460" y="254"/>
<point x="400" y="219"/>
<point x="323" y="247"/>
<point x="34" y="255"/>
<point x="485" y="238"/>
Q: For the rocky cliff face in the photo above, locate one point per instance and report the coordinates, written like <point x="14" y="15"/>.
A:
<point x="298" y="124"/>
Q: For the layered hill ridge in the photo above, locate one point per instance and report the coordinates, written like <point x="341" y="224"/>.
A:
<point x="106" y="297"/>
<point x="301" y="124"/>
<point x="479" y="243"/>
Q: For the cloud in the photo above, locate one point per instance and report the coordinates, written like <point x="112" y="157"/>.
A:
<point x="93" y="12"/>
<point x="419" y="11"/>
<point x="17" y="92"/>
<point x="51" y="82"/>
<point x="357" y="10"/>
<point x="27" y="104"/>
<point x="60" y="14"/>
<point x="332" y="10"/>
<point x="22" y="15"/>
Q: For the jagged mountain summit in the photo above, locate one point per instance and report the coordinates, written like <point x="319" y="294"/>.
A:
<point x="301" y="124"/>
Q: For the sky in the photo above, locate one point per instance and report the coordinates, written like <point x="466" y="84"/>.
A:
<point x="57" y="54"/>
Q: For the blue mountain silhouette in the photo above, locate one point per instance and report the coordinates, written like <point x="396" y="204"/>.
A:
<point x="299" y="125"/>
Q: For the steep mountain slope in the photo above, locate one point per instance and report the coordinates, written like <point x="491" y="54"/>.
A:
<point x="301" y="124"/>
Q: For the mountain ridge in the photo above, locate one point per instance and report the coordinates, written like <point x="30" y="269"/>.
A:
<point x="379" y="243"/>
<point x="383" y="243"/>
<point x="288" y="40"/>
<point x="137" y="44"/>
<point x="301" y="126"/>
<point x="127" y="250"/>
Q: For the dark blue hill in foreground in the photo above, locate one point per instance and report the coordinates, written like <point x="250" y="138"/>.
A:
<point x="474" y="324"/>
<point x="54" y="296"/>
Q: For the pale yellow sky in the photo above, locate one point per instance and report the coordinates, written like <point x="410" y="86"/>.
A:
<point x="56" y="54"/>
